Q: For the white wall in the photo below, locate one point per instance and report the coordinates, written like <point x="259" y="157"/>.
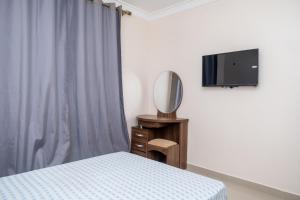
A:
<point x="251" y="133"/>
<point x="135" y="46"/>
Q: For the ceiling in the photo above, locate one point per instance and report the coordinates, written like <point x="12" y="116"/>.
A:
<point x="153" y="5"/>
<point x="155" y="9"/>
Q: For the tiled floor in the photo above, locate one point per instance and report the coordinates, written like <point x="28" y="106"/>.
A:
<point x="239" y="191"/>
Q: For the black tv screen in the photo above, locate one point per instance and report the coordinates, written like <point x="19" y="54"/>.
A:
<point x="232" y="69"/>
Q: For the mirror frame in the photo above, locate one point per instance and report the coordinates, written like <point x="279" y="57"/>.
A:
<point x="172" y="114"/>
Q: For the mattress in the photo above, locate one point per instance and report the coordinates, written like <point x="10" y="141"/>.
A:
<point x="121" y="176"/>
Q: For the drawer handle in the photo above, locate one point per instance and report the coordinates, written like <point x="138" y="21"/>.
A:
<point x="139" y="135"/>
<point x="139" y="145"/>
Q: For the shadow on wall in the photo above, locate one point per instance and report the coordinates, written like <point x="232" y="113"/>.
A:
<point x="132" y="89"/>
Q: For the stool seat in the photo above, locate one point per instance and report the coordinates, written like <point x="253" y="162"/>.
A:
<point x="167" y="147"/>
<point x="162" y="143"/>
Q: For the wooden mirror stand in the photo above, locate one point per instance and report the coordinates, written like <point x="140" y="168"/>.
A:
<point x="163" y="137"/>
<point x="171" y="115"/>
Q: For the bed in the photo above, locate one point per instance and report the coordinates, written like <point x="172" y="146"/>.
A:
<point x="121" y="176"/>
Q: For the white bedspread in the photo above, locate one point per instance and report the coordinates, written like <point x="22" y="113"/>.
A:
<point x="111" y="177"/>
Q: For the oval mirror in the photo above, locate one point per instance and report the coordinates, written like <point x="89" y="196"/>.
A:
<point x="168" y="92"/>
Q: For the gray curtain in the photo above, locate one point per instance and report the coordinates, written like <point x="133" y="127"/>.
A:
<point x="60" y="83"/>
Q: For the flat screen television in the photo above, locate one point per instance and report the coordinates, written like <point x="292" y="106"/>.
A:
<point x="231" y="69"/>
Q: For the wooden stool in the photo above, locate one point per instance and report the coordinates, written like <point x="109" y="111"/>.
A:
<point x="167" y="147"/>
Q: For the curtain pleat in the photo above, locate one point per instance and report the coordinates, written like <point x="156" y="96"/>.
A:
<point x="60" y="83"/>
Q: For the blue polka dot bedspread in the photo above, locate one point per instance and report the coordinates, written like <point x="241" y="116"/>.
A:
<point x="116" y="176"/>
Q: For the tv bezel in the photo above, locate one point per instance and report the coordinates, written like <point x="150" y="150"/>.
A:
<point x="233" y="85"/>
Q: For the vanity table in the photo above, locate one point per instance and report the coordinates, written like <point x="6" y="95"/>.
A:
<point x="157" y="127"/>
<point x="164" y="126"/>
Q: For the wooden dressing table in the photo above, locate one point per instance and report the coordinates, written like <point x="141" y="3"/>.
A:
<point x="163" y="137"/>
<point x="174" y="129"/>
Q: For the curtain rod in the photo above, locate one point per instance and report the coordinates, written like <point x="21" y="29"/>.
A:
<point x="124" y="12"/>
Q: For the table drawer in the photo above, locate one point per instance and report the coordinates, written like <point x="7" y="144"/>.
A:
<point x="138" y="145"/>
<point x="140" y="153"/>
<point x="140" y="134"/>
